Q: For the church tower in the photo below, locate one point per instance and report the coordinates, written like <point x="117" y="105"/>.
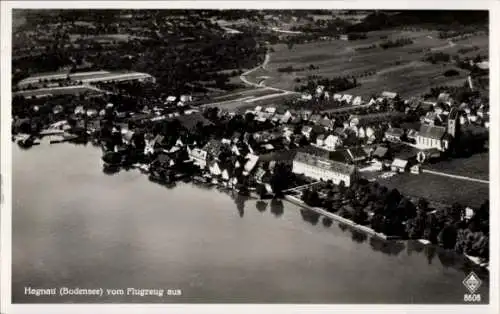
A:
<point x="453" y="128"/>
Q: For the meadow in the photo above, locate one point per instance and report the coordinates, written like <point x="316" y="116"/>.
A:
<point x="398" y="69"/>
<point x="438" y="189"/>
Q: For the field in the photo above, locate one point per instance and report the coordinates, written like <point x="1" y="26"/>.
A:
<point x="399" y="69"/>
<point x="438" y="189"/>
<point x="476" y="166"/>
<point x="70" y="90"/>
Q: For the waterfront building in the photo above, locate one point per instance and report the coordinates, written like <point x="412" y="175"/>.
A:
<point x="199" y="157"/>
<point x="324" y="169"/>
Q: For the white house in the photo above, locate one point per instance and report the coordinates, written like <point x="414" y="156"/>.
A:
<point x="337" y="97"/>
<point x="215" y="169"/>
<point x="347" y="98"/>
<point x="306" y="97"/>
<point x="357" y="101"/>
<point x="199" y="157"/>
<point x="332" y="142"/>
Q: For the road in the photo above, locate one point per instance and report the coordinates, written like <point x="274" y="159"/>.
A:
<point x="437" y="173"/>
<point x="260" y="86"/>
<point x="243" y="77"/>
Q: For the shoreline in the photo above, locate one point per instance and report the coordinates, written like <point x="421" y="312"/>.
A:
<point x="365" y="229"/>
<point x="473" y="259"/>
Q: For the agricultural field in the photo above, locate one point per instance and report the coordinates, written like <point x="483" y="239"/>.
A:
<point x="398" y="69"/>
<point x="438" y="188"/>
<point x="476" y="166"/>
<point x="69" y="90"/>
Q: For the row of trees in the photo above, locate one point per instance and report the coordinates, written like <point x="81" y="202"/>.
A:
<point x="400" y="42"/>
<point x="394" y="214"/>
<point x="332" y="85"/>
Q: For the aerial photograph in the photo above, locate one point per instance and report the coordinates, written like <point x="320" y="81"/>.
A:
<point x="250" y="156"/>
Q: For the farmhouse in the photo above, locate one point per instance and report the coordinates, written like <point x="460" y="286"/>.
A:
<point x="324" y="169"/>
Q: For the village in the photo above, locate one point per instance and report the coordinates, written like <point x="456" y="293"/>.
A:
<point x="339" y="161"/>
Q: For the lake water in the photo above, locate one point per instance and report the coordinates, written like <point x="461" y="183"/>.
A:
<point x="76" y="227"/>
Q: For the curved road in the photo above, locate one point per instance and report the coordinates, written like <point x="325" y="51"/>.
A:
<point x="261" y="85"/>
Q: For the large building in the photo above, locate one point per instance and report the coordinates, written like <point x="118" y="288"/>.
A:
<point x="432" y="136"/>
<point x="85" y="78"/>
<point x="324" y="169"/>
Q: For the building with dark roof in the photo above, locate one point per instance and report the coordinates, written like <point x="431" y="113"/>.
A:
<point x="432" y="136"/>
<point x="324" y="169"/>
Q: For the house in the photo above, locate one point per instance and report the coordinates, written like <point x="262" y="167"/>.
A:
<point x="270" y="110"/>
<point x="306" y="96"/>
<point x="286" y="117"/>
<point x="399" y="165"/>
<point x="332" y="142"/>
<point x="199" y="157"/>
<point x="327" y="123"/>
<point x="214" y="168"/>
<point x="213" y="148"/>
<point x="347" y="98"/>
<point x="394" y="134"/>
<point x="337" y="97"/>
<point x="445" y="98"/>
<point x="250" y="164"/>
<point x="324" y="169"/>
<point x="307" y="131"/>
<point x="315" y="118"/>
<point x="186" y="98"/>
<point x="432" y="136"/>
<point x="357" y="101"/>
<point x="320" y="140"/>
<point x="389" y="95"/>
<point x="127" y="136"/>
<point x="356" y="155"/>
<point x="380" y="153"/>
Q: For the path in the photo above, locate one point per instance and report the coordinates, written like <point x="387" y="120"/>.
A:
<point x="454" y="176"/>
<point x="243" y="77"/>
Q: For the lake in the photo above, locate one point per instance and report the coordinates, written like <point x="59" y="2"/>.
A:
<point x="77" y="227"/>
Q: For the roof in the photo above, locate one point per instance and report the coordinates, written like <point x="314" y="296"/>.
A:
<point x="213" y="147"/>
<point x="380" y="152"/>
<point x="399" y="163"/>
<point x="356" y="153"/>
<point x="394" y="132"/>
<point x="325" y="164"/>
<point x="432" y="131"/>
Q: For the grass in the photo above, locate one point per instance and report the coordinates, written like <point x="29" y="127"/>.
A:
<point x="438" y="189"/>
<point x="397" y="69"/>
<point x="58" y="91"/>
<point x="476" y="166"/>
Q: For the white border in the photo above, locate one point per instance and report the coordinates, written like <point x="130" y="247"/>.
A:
<point x="6" y="24"/>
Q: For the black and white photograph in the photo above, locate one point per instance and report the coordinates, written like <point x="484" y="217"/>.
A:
<point x="249" y="156"/>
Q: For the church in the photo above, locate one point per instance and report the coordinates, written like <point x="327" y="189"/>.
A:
<point x="431" y="136"/>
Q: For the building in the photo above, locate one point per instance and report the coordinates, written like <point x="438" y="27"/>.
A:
<point x="394" y="134"/>
<point x="399" y="165"/>
<point x="332" y="142"/>
<point x="432" y="136"/>
<point x="324" y="169"/>
<point x="199" y="157"/>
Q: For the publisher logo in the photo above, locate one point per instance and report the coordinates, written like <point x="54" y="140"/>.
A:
<point x="472" y="283"/>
